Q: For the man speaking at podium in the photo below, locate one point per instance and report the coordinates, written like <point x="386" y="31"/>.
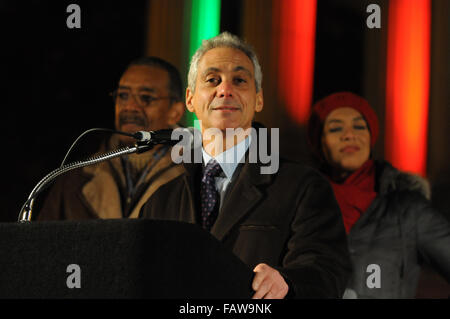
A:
<point x="148" y="98"/>
<point x="285" y="225"/>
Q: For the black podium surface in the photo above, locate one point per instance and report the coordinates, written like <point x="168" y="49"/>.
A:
<point x="117" y="259"/>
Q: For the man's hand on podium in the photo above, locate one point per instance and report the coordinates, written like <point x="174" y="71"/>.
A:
<point x="268" y="283"/>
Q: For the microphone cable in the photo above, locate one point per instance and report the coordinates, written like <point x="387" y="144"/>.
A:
<point x="89" y="131"/>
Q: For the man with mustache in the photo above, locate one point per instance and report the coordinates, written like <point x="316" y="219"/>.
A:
<point x="286" y="225"/>
<point x="148" y="98"/>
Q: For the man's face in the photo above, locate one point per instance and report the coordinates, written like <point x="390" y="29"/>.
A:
<point x="225" y="93"/>
<point x="346" y="139"/>
<point x="138" y="83"/>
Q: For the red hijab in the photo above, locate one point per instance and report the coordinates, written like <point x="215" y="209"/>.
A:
<point x="355" y="194"/>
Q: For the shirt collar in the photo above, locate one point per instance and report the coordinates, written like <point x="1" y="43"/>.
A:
<point x="231" y="158"/>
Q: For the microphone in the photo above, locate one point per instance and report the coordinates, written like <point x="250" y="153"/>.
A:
<point x="155" y="137"/>
<point x="188" y="136"/>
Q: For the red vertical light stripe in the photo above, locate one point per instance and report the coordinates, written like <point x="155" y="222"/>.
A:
<point x="297" y="28"/>
<point x="407" y="84"/>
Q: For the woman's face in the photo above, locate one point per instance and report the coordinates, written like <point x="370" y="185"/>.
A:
<point x="345" y="140"/>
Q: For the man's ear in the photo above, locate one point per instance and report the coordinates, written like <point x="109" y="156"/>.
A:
<point x="189" y="98"/>
<point x="259" y="101"/>
<point x="176" y="111"/>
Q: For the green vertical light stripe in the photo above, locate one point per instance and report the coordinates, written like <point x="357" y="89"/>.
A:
<point x="204" y="24"/>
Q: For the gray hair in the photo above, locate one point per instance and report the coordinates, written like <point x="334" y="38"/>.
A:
<point x="224" y="40"/>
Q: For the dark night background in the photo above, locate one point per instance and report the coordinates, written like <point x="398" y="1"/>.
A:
<point x="57" y="83"/>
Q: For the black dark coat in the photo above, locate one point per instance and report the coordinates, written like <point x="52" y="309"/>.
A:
<point x="289" y="220"/>
<point x="398" y="232"/>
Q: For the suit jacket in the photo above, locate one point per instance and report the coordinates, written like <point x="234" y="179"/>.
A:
<point x="289" y="220"/>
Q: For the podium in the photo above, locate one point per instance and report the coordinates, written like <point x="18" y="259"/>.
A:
<point x="118" y="259"/>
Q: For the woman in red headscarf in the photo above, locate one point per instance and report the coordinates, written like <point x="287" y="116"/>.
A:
<point x="390" y="224"/>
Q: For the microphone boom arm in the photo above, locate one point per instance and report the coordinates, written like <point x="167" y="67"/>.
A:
<point x="27" y="208"/>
